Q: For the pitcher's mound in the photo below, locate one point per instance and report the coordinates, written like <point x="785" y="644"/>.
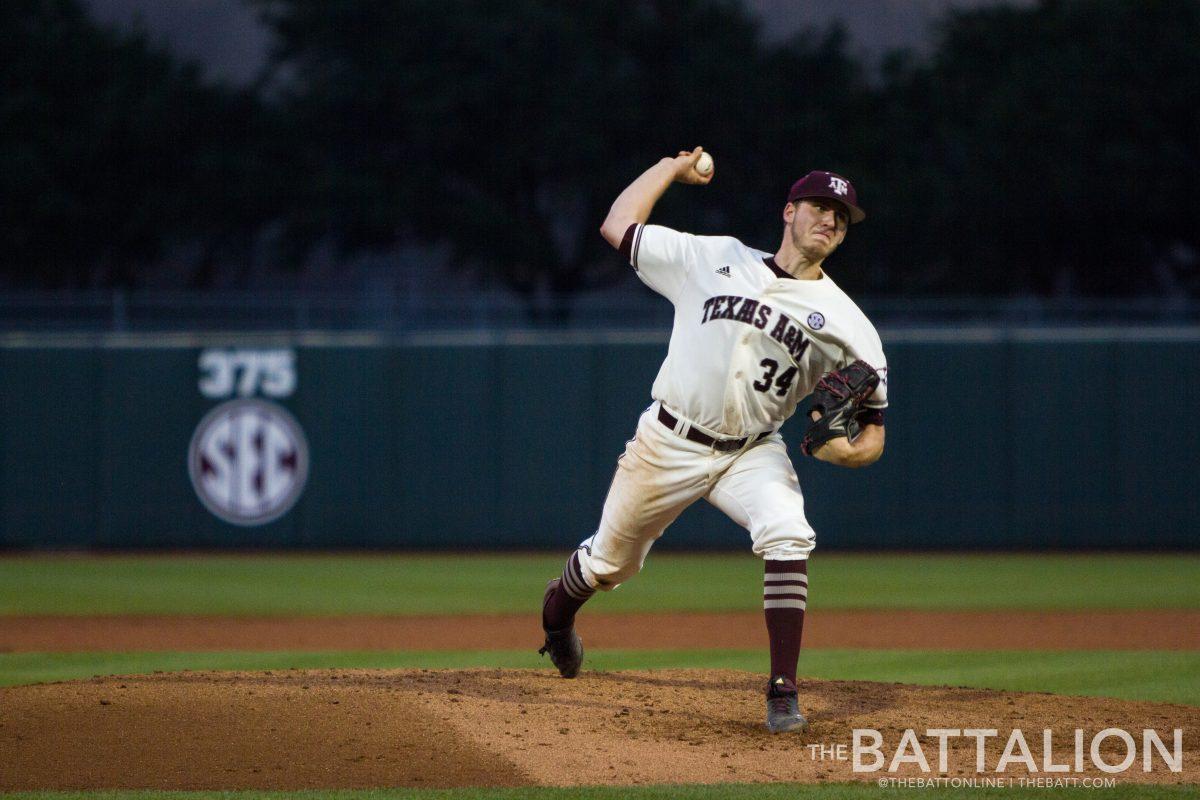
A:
<point x="302" y="729"/>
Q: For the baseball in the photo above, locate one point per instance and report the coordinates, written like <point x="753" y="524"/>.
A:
<point x="705" y="165"/>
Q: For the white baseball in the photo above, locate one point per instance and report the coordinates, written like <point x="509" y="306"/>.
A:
<point x="705" y="164"/>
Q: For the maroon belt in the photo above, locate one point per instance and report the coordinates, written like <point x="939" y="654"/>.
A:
<point x="723" y="445"/>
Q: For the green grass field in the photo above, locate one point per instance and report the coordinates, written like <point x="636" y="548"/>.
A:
<point x="443" y="584"/>
<point x="1169" y="677"/>
<point x="427" y="584"/>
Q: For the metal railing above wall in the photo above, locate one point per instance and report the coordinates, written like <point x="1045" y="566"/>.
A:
<point x="122" y="311"/>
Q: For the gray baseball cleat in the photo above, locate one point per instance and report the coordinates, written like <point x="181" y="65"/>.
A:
<point x="565" y="647"/>
<point x="783" y="707"/>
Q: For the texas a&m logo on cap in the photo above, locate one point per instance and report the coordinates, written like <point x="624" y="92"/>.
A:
<point x="819" y="183"/>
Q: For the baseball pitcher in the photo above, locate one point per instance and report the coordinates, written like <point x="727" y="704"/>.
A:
<point x="754" y="333"/>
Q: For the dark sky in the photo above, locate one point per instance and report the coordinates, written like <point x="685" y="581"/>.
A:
<point x="225" y="37"/>
<point x="221" y="34"/>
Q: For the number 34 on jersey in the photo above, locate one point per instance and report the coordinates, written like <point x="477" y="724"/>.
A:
<point x="759" y="315"/>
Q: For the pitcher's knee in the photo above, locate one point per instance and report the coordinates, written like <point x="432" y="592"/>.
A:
<point x="785" y="543"/>
<point x="789" y="552"/>
<point x="603" y="573"/>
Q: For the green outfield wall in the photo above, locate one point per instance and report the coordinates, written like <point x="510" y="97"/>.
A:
<point x="997" y="439"/>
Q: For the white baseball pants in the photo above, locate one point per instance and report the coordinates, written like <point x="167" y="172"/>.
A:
<point x="661" y="473"/>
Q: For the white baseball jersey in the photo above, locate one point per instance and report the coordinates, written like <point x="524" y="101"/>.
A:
<point x="749" y="342"/>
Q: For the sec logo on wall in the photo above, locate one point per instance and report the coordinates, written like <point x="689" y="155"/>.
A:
<point x="248" y="461"/>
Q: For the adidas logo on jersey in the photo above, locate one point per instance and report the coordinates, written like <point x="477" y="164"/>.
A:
<point x="723" y="271"/>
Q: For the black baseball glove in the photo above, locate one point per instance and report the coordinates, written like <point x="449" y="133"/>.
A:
<point x="838" y="398"/>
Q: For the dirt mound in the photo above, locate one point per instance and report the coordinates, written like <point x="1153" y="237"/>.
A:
<point x="301" y="729"/>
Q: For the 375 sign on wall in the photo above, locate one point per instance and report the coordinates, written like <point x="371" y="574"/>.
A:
<point x="248" y="458"/>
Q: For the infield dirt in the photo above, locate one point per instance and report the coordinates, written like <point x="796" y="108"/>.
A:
<point x="302" y="729"/>
<point x="360" y="728"/>
<point x="1168" y="629"/>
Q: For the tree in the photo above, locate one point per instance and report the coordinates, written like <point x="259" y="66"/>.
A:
<point x="507" y="129"/>
<point x="112" y="153"/>
<point x="1049" y="150"/>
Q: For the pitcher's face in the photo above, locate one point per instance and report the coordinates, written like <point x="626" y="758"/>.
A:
<point x="817" y="226"/>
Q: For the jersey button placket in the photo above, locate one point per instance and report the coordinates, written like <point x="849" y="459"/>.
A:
<point x="742" y="344"/>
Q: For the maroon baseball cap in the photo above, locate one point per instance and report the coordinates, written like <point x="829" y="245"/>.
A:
<point x="830" y="185"/>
